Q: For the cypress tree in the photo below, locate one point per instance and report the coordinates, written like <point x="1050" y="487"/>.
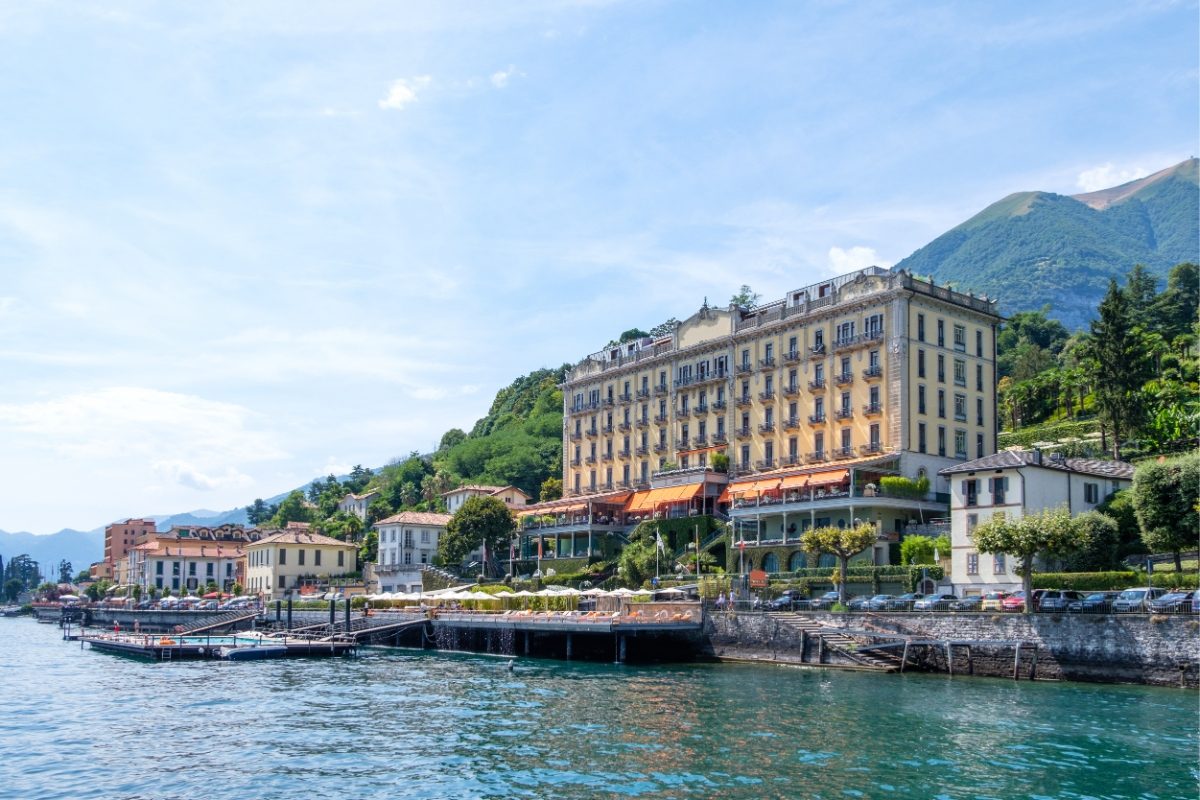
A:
<point x="1122" y="365"/>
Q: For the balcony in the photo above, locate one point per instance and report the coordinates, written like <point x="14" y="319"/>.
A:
<point x="766" y="363"/>
<point x="575" y="462"/>
<point x="845" y="413"/>
<point x="661" y="419"/>
<point x="817" y="351"/>
<point x="791" y="390"/>
<point x="767" y="396"/>
<point x="817" y="384"/>
<point x="791" y="356"/>
<point x="960" y="381"/>
<point x="607" y="456"/>
<point x="607" y="402"/>
<point x="681" y="444"/>
<point x="743" y="401"/>
<point x="715" y="375"/>
<point x="591" y="433"/>
<point x="661" y="388"/>
<point x="791" y="460"/>
<point x="623" y="453"/>
<point x="624" y="427"/>
<point x="766" y="463"/>
<point x="625" y="397"/>
<point x="817" y="456"/>
<point x="870" y="373"/>
<point x="843" y="452"/>
<point x="871" y="337"/>
<point x="847" y="342"/>
<point x="718" y="405"/>
<point x="607" y="429"/>
<point x="590" y="461"/>
<point x="644" y="450"/>
<point x="872" y="409"/>
<point x="576" y="436"/>
<point x="700" y="441"/>
<point x="844" y="378"/>
<point x="661" y="447"/>
<point x="744" y="368"/>
<point x="700" y="410"/>
<point x="816" y="419"/>
<point x="742" y="432"/>
<point x="791" y="423"/>
<point x="767" y="427"/>
<point x="719" y="438"/>
<point x="643" y="393"/>
<point x="642" y="422"/>
<point x="871" y="449"/>
<point x="960" y="417"/>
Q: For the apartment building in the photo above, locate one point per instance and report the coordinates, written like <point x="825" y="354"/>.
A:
<point x="828" y="389"/>
<point x="282" y="563"/>
<point x="511" y="496"/>
<point x="120" y="536"/>
<point x="407" y="541"/>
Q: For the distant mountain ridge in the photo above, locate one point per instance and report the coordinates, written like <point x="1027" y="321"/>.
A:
<point x="1035" y="248"/>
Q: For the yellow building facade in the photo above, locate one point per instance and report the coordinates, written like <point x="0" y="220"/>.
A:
<point x="865" y="364"/>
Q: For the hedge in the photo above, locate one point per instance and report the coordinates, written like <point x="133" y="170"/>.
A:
<point x="1105" y="581"/>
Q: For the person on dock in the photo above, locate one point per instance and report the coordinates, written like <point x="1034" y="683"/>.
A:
<point x="116" y="626"/>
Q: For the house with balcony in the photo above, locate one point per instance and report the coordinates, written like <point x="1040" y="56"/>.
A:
<point x="511" y="496"/>
<point x="407" y="541"/>
<point x="1011" y="484"/>
<point x="356" y="504"/>
<point x="289" y="561"/>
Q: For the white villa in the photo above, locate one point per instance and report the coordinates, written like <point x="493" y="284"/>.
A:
<point x="513" y="497"/>
<point x="407" y="541"/>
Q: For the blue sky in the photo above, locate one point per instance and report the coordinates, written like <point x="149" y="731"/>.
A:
<point x="246" y="244"/>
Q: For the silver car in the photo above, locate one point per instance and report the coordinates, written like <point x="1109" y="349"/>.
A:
<point x="1136" y="600"/>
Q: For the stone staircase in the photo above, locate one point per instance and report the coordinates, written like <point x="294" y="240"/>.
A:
<point x="836" y="641"/>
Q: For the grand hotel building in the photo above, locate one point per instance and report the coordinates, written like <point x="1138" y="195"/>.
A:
<point x="835" y="385"/>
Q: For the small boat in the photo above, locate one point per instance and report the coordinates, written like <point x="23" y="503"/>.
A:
<point x="253" y="652"/>
<point x="10" y="611"/>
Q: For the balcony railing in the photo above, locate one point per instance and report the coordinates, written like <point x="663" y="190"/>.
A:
<point x="816" y="419"/>
<point x="624" y="453"/>
<point x="791" y="356"/>
<point x="625" y="397"/>
<point x="742" y="432"/>
<point x="642" y="422"/>
<point x="871" y="449"/>
<point x="766" y="363"/>
<point x="790" y="389"/>
<point x="661" y="388"/>
<point x="872" y="372"/>
<point x="643" y="450"/>
<point x="816" y="384"/>
<point x="591" y="432"/>
<point x="843" y="452"/>
<point x="700" y="410"/>
<point x="643" y="393"/>
<point x="681" y="444"/>
<point x="661" y="419"/>
<point x="719" y="438"/>
<point x="791" y="460"/>
<point x="791" y="423"/>
<point x="718" y="405"/>
<point x="607" y="456"/>
<point x="700" y="441"/>
<point x="576" y="436"/>
<point x="844" y="378"/>
<point x="766" y="427"/>
<point x="590" y="460"/>
<point x="960" y="417"/>
<point x="817" y="351"/>
<point x="661" y="447"/>
<point x="744" y="367"/>
<point x="624" y="427"/>
<point x="766" y="463"/>
<point x="714" y="375"/>
<point x="872" y="336"/>
<point x="743" y="401"/>
<point x="607" y="429"/>
<point x="845" y="413"/>
<point x="846" y="342"/>
<point x="871" y="409"/>
<point x="607" y="402"/>
<point x="575" y="462"/>
<point x="766" y="396"/>
<point x="818" y="455"/>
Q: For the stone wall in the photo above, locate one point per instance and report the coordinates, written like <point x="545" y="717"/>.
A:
<point x="1160" y="650"/>
<point x="761" y="637"/>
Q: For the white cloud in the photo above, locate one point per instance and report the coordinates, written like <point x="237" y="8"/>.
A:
<point x="500" y="79"/>
<point x="334" y="466"/>
<point x="187" y="475"/>
<point x="857" y="257"/>
<point x="1107" y="175"/>
<point x="403" y="91"/>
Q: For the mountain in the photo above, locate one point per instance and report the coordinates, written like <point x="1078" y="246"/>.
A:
<point x="1035" y="248"/>
<point x="81" y="548"/>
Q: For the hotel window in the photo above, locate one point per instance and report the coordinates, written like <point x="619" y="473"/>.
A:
<point x="769" y="452"/>
<point x="874" y="395"/>
<point x="282" y="584"/>
<point x="873" y="325"/>
<point x="845" y="332"/>
<point x="972" y="563"/>
<point x="745" y="390"/>
<point x="941" y="333"/>
<point x="979" y="377"/>
<point x="874" y="435"/>
<point x="972" y="522"/>
<point x="979" y="445"/>
<point x="960" y="372"/>
<point x="645" y="471"/>
<point x="819" y="339"/>
<point x="316" y="558"/>
<point x="407" y="557"/>
<point x="998" y="564"/>
<point x="960" y="407"/>
<point x="845" y="439"/>
<point x="873" y="359"/>
<point x="769" y="384"/>
<point x="721" y="425"/>
<point x="300" y="558"/>
<point x="942" y="403"/>
<point x="941" y="368"/>
<point x="1091" y="493"/>
<point x="920" y="437"/>
<point x="979" y="411"/>
<point x="208" y="569"/>
<point x="846" y="365"/>
<point x="792" y="346"/>
<point x="192" y="569"/>
<point x="769" y="352"/>
<point x="920" y="363"/>
<point x="793" y="447"/>
<point x="158" y="568"/>
<point x="793" y="380"/>
<point x="941" y="440"/>
<point x="845" y="403"/>
<point x="745" y="456"/>
<point x="960" y="338"/>
<point x="819" y="408"/>
<point x="819" y="445"/>
<point x="819" y="374"/>
<point x="769" y="415"/>
<point x="999" y="488"/>
<point x="979" y="343"/>
<point x="746" y="358"/>
<point x="920" y="327"/>
<point x="960" y="443"/>
<point x="625" y="474"/>
<point x="683" y="404"/>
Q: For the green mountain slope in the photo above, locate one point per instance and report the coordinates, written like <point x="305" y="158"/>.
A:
<point x="1034" y="248"/>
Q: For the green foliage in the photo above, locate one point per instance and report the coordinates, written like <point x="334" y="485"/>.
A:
<point x="1101" y="537"/>
<point x="368" y="551"/>
<point x="1165" y="497"/>
<point x="1048" y="533"/>
<point x="1112" y="581"/>
<point x="551" y="489"/>
<point x="917" y="550"/>
<point x="720" y="462"/>
<point x="745" y="297"/>
<point x="24" y="569"/>
<point x="841" y="542"/>
<point x="897" y="486"/>
<point x="1122" y="366"/>
<point x="480" y="521"/>
<point x="1119" y="506"/>
<point x="259" y="513"/>
<point x="12" y="588"/>
<point x="292" y="509"/>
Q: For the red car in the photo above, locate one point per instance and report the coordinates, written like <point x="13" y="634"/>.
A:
<point x="1016" y="600"/>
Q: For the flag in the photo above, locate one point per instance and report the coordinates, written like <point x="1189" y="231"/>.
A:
<point x="659" y="542"/>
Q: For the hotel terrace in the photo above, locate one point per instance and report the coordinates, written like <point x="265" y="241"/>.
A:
<point x="813" y="399"/>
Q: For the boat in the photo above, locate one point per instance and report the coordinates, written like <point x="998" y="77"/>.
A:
<point x="10" y="611"/>
<point x="253" y="652"/>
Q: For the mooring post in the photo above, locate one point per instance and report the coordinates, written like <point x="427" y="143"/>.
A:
<point x="278" y="611"/>
<point x="621" y="649"/>
<point x="568" y="647"/>
<point x="820" y="649"/>
<point x="1033" y="666"/>
<point x="332" y="614"/>
<point x="904" y="656"/>
<point x="1017" y="662"/>
<point x="347" y="615"/>
<point x="526" y="642"/>
<point x="970" y="661"/>
<point x="289" y="625"/>
<point x="950" y="658"/>
<point x="802" y="642"/>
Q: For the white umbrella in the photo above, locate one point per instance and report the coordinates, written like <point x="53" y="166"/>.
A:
<point x="478" y="596"/>
<point x="595" y="592"/>
<point x="524" y="593"/>
<point x="671" y="590"/>
<point x="68" y="597"/>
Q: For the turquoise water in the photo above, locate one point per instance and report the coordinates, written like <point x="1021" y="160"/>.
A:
<point x="398" y="724"/>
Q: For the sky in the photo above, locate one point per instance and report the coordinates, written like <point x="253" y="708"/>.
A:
<point x="243" y="245"/>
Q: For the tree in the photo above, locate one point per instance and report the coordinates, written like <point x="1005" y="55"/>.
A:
<point x="1121" y="366"/>
<point x="368" y="551"/>
<point x="378" y="509"/>
<point x="1100" y="538"/>
<point x="916" y="550"/>
<point x="12" y="588"/>
<point x="1175" y="308"/>
<point x="1048" y="533"/>
<point x="1141" y="290"/>
<point x="24" y="569"/>
<point x="720" y="462"/>
<point x="1166" y="494"/>
<point x="292" y="509"/>
<point x="480" y="522"/>
<point x="663" y="328"/>
<point x="551" y="489"/>
<point x="636" y="562"/>
<point x="745" y="297"/>
<point x="259" y="512"/>
<point x="843" y="543"/>
<point x="451" y="438"/>
<point x="64" y="571"/>
<point x="83" y="576"/>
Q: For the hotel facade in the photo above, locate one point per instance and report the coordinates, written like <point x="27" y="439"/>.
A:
<point x="813" y="398"/>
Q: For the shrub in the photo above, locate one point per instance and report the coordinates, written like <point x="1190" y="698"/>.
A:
<point x="896" y="486"/>
<point x="1105" y="581"/>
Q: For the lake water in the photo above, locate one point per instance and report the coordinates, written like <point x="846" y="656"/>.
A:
<point x="396" y="723"/>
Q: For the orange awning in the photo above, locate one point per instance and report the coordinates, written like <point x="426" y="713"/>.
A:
<point x="794" y="481"/>
<point x="638" y="501"/>
<point x="829" y="476"/>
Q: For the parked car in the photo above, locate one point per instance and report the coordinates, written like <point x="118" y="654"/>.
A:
<point x="972" y="602"/>
<point x="1136" y="599"/>
<point x="1016" y="600"/>
<point x="1173" y="603"/>
<point x="934" y="602"/>
<point x="825" y="601"/>
<point x="789" y="600"/>
<point x="858" y="602"/>
<point x="1057" y="600"/>
<point x="879" y="602"/>
<point x="206" y="605"/>
<point x="904" y="602"/>
<point x="992" y="601"/>
<point x="1094" y="603"/>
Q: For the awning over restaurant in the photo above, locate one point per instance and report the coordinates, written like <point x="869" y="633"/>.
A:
<point x="652" y="499"/>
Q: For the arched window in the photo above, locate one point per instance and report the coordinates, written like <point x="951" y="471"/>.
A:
<point x="770" y="563"/>
<point x="798" y="560"/>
